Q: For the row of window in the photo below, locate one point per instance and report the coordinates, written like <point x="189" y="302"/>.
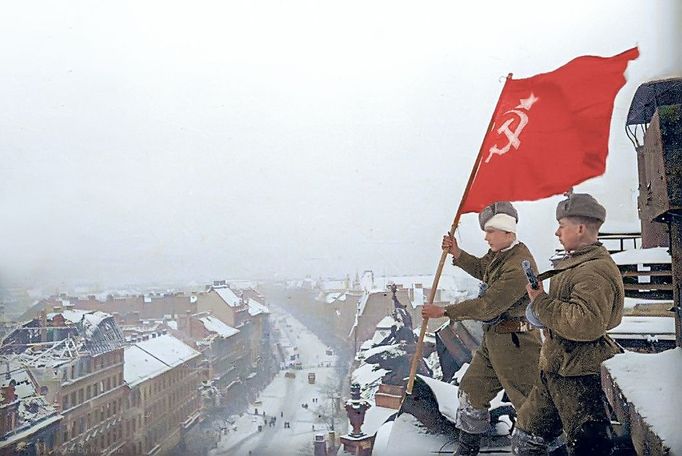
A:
<point x="88" y="392"/>
<point x="87" y="366"/>
<point x="93" y="419"/>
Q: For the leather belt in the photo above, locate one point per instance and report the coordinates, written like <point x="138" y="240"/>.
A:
<point x="513" y="326"/>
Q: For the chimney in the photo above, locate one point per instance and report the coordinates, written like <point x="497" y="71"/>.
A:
<point x="319" y="445"/>
<point x="43" y="324"/>
<point x="8" y="393"/>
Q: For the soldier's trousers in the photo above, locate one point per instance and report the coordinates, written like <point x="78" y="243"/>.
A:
<point x="508" y="361"/>
<point x="576" y="404"/>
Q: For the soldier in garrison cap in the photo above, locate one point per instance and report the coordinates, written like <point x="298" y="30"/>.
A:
<point x="509" y="351"/>
<point x="585" y="299"/>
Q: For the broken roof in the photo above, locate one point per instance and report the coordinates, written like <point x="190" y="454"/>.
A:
<point x="33" y="411"/>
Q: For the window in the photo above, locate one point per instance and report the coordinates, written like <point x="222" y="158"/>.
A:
<point x="80" y="395"/>
<point x="73" y="399"/>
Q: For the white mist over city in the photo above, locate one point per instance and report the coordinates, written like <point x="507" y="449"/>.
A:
<point x="219" y="216"/>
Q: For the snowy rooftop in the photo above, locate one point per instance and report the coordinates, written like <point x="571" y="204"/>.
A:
<point x="651" y="383"/>
<point x="216" y="325"/>
<point x="33" y="412"/>
<point x="151" y="357"/>
<point x="227" y="295"/>
<point x="368" y="375"/>
<point x="256" y="308"/>
<point x="656" y="255"/>
<point x="386" y="322"/>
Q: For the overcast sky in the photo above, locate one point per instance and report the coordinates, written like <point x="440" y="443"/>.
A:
<point x="145" y="141"/>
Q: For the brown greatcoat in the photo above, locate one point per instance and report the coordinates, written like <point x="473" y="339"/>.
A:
<point x="503" y="360"/>
<point x="584" y="301"/>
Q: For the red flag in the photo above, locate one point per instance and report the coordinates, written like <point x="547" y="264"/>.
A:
<point x="549" y="132"/>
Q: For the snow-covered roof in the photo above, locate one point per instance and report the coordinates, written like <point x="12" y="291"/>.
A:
<point x="386" y="322"/>
<point x="10" y="370"/>
<point x="33" y="411"/>
<point x="227" y="295"/>
<point x="140" y="365"/>
<point x="256" y="308"/>
<point x="395" y="348"/>
<point x="656" y="255"/>
<point x="154" y="356"/>
<point x="368" y="374"/>
<point x="651" y="383"/>
<point x="216" y="325"/>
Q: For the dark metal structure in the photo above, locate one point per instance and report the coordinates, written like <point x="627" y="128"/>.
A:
<point x="654" y="125"/>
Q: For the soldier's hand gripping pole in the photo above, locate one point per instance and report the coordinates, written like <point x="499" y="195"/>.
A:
<point x="444" y="254"/>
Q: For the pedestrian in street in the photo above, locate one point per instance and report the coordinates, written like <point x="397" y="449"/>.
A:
<point x="585" y="299"/>
<point x="508" y="354"/>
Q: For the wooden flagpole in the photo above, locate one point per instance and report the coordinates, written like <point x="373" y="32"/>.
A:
<point x="444" y="254"/>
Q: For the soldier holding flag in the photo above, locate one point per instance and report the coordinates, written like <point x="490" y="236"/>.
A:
<point x="508" y="355"/>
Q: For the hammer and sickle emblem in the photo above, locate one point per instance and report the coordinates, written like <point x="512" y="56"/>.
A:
<point x="513" y="136"/>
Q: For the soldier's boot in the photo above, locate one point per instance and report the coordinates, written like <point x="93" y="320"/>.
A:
<point x="593" y="437"/>
<point x="468" y="445"/>
<point x="525" y="444"/>
<point x="557" y="447"/>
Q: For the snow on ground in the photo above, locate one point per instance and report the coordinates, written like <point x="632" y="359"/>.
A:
<point x="407" y="437"/>
<point x="283" y="399"/>
<point x="651" y="383"/>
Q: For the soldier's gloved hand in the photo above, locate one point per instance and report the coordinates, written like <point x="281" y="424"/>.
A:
<point x="450" y="244"/>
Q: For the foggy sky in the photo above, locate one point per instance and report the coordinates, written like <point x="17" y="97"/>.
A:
<point x="145" y="141"/>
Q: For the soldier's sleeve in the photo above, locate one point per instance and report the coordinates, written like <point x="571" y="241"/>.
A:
<point x="585" y="316"/>
<point x="472" y="265"/>
<point x="500" y="296"/>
